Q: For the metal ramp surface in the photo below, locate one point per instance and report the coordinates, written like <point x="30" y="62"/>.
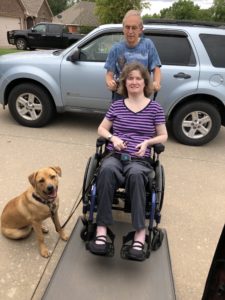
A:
<point x="82" y="275"/>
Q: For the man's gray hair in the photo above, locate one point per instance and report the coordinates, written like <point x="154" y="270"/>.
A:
<point x="133" y="12"/>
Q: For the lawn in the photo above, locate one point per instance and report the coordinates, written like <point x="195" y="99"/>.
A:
<point x="9" y="50"/>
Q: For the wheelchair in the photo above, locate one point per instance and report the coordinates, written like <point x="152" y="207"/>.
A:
<point x="154" y="201"/>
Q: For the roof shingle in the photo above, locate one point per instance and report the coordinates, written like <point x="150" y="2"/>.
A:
<point x="81" y="13"/>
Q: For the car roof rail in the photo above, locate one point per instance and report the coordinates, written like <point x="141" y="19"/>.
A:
<point x="184" y="22"/>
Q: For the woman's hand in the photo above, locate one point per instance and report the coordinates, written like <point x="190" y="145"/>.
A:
<point x="118" y="144"/>
<point x="141" y="148"/>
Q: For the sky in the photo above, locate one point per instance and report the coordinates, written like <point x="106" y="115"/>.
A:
<point x="157" y="5"/>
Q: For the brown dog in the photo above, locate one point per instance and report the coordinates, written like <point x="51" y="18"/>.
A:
<point x="37" y="203"/>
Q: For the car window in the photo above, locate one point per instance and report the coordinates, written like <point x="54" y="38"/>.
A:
<point x="98" y="49"/>
<point x="173" y="49"/>
<point x="40" y="28"/>
<point x="55" y="28"/>
<point x="215" y="47"/>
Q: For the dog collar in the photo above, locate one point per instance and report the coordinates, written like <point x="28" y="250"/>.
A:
<point x="51" y="205"/>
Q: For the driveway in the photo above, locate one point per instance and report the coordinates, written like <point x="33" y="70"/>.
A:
<point x="193" y="211"/>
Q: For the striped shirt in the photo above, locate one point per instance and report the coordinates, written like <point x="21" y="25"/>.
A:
<point x="132" y="127"/>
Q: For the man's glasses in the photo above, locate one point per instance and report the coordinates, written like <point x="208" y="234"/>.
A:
<point x="133" y="28"/>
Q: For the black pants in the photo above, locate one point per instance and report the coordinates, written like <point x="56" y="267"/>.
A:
<point x="112" y="175"/>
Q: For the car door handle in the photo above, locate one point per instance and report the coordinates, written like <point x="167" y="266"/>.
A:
<point x="182" y="75"/>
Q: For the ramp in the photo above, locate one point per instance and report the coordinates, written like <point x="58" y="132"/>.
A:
<point x="82" y="275"/>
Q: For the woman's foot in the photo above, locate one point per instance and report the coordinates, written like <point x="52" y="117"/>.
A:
<point x="136" y="251"/>
<point x="101" y="231"/>
<point x="99" y="244"/>
<point x="139" y="239"/>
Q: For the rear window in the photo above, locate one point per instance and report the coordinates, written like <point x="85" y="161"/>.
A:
<point x="173" y="50"/>
<point x="215" y="47"/>
<point x="54" y="28"/>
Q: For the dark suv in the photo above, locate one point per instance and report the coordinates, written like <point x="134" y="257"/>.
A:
<point x="35" y="85"/>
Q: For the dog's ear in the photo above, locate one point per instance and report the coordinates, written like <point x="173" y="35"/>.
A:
<point x="32" y="178"/>
<point x="57" y="170"/>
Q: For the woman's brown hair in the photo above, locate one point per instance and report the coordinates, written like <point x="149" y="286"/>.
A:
<point x="128" y="68"/>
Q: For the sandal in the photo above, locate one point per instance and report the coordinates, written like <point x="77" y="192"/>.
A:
<point x="99" y="249"/>
<point x="136" y="254"/>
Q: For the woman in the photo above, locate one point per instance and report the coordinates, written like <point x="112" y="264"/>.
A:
<point x="137" y="123"/>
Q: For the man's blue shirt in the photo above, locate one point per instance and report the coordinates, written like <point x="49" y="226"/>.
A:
<point x="120" y="54"/>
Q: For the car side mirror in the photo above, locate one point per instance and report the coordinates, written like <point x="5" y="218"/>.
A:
<point x="75" y="56"/>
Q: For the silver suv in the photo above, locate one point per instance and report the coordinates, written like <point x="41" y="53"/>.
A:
<point x="38" y="84"/>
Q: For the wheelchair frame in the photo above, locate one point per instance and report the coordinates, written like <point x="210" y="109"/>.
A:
<point x="155" y="192"/>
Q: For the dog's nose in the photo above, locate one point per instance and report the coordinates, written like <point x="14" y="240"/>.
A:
<point x="50" y="188"/>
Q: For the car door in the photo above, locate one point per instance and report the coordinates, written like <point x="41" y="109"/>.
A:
<point x="37" y="36"/>
<point x="54" y="36"/>
<point x="83" y="81"/>
<point x="180" y="67"/>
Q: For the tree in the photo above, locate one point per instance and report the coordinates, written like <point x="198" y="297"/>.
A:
<point x="219" y="10"/>
<point x="181" y="10"/>
<point x="113" y="11"/>
<point x="57" y="6"/>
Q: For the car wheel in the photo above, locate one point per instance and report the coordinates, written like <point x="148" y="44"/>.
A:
<point x="30" y="105"/>
<point x="21" y="44"/>
<point x="196" y="123"/>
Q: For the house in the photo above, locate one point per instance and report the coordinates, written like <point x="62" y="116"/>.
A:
<point x="22" y="14"/>
<point x="81" y="14"/>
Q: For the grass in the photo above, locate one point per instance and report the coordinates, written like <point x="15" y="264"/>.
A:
<point x="8" y="50"/>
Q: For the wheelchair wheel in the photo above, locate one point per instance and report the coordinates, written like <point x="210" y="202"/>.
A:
<point x="88" y="176"/>
<point x="157" y="239"/>
<point x="160" y="184"/>
<point x="84" y="234"/>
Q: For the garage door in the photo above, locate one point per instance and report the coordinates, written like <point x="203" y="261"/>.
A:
<point x="5" y="25"/>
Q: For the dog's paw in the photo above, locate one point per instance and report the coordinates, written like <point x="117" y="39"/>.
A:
<point x="63" y="236"/>
<point x="45" y="252"/>
<point x="44" y="228"/>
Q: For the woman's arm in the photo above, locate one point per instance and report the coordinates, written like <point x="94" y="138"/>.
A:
<point x="161" y="137"/>
<point x="104" y="131"/>
<point x="104" y="128"/>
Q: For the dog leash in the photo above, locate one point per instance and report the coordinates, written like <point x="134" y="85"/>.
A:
<point x="76" y="204"/>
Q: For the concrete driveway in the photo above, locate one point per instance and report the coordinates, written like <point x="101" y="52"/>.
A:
<point x="193" y="211"/>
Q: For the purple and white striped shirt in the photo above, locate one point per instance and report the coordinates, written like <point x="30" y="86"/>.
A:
<point x="132" y="127"/>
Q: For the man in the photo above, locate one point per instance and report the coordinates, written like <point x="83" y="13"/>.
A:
<point x="134" y="48"/>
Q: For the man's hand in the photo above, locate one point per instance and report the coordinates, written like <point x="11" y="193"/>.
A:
<point x="156" y="86"/>
<point x="111" y="84"/>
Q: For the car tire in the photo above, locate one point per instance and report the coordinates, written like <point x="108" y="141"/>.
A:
<point x="196" y="123"/>
<point x="21" y="44"/>
<point x="30" y="105"/>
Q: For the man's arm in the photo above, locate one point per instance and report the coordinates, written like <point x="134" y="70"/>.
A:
<point x="156" y="79"/>
<point x="110" y="82"/>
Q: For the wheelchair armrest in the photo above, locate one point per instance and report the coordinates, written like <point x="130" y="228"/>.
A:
<point x="158" y="148"/>
<point x="101" y="141"/>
